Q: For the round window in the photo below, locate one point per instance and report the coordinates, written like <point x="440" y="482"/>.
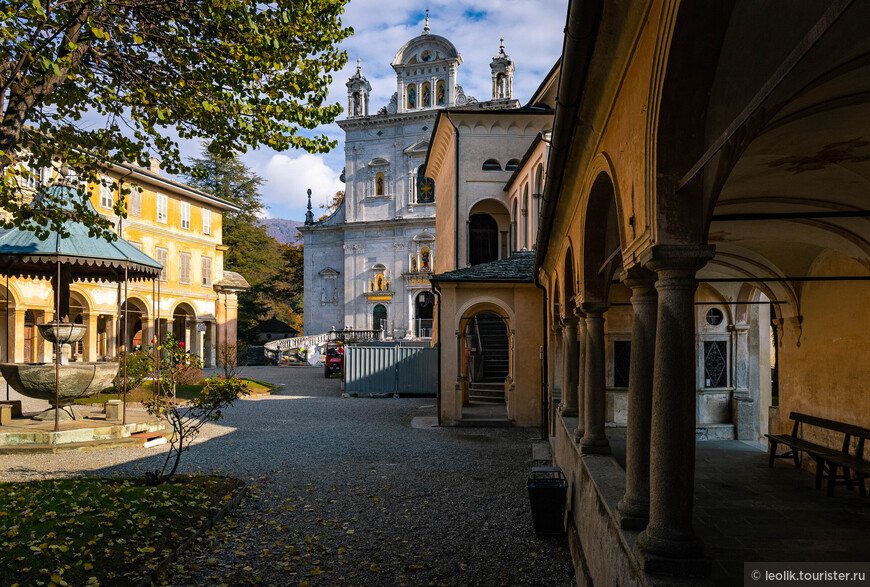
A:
<point x="714" y="316"/>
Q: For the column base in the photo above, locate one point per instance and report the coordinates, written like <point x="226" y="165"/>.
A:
<point x="672" y="557"/>
<point x="594" y="446"/>
<point x="568" y="412"/>
<point x="632" y="515"/>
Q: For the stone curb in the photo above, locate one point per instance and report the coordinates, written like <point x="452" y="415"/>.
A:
<point x="147" y="580"/>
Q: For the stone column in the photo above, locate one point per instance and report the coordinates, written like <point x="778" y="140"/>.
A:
<point x="209" y="347"/>
<point x="111" y="336"/>
<point x="43" y="350"/>
<point x="581" y="378"/>
<point x="147" y="332"/>
<point x="18" y="336"/>
<point x="558" y="372"/>
<point x="742" y="403"/>
<point x="195" y="338"/>
<point x="594" y="439"/>
<point x="669" y="544"/>
<point x="91" y="336"/>
<point x="633" y="509"/>
<point x="570" y="369"/>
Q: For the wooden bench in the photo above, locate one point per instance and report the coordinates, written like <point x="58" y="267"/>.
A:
<point x="855" y="468"/>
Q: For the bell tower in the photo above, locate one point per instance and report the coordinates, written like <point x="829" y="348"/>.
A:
<point x="358" y="90"/>
<point x="502" y="75"/>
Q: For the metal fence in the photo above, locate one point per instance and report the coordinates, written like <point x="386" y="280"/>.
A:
<point x="403" y="370"/>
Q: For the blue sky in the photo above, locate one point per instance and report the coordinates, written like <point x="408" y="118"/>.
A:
<point x="532" y="31"/>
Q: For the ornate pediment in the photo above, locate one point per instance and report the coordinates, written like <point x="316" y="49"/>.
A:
<point x="417" y="149"/>
<point x="328" y="272"/>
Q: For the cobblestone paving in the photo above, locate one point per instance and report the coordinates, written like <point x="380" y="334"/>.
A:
<point x="348" y="492"/>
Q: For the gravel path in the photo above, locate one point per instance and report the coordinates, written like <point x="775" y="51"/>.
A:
<point x="349" y="492"/>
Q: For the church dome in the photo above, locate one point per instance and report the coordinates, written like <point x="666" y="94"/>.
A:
<point x="425" y="48"/>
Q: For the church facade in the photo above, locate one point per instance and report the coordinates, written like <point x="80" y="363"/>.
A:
<point x="368" y="264"/>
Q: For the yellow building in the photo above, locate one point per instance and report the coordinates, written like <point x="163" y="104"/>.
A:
<point x="176" y="225"/>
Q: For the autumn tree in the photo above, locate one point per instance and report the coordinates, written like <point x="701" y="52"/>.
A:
<point x="333" y="204"/>
<point x="93" y="82"/>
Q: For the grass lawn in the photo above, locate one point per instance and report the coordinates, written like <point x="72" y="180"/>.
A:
<point x="97" y="531"/>
<point x="182" y="392"/>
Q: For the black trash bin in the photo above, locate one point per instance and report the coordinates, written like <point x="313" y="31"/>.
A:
<point x="548" y="488"/>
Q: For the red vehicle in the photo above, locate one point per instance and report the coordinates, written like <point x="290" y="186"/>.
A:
<point x="333" y="364"/>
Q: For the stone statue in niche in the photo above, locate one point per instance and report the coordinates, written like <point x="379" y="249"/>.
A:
<point x="440" y="94"/>
<point x="412" y="98"/>
<point x="427" y="96"/>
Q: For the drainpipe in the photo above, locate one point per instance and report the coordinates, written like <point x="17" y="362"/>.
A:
<point x="455" y="194"/>
<point x="545" y="371"/>
<point x="436" y="289"/>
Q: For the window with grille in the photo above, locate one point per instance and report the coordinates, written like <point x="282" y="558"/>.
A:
<point x="185" y="215"/>
<point x="162" y="209"/>
<point x="621" y="362"/>
<point x="163" y="259"/>
<point x="715" y="363"/>
<point x="206" y="221"/>
<point x="135" y="202"/>
<point x="107" y="197"/>
<point x="184" y="267"/>
<point x="206" y="271"/>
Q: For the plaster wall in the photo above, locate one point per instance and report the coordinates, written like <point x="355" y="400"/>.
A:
<point x="823" y="371"/>
<point x="518" y="302"/>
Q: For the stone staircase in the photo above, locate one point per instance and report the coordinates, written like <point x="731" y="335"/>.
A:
<point x="491" y="393"/>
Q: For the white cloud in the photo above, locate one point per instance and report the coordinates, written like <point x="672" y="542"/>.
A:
<point x="289" y="177"/>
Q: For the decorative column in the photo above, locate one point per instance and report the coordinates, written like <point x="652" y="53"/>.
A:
<point x="594" y="439"/>
<point x="209" y="350"/>
<point x="669" y="544"/>
<point x="91" y="336"/>
<point x="111" y="336"/>
<point x="742" y="403"/>
<point x="43" y="349"/>
<point x="18" y="336"/>
<point x="558" y="372"/>
<point x="633" y="509"/>
<point x="195" y="338"/>
<point x="570" y="367"/>
<point x="581" y="378"/>
<point x="147" y="331"/>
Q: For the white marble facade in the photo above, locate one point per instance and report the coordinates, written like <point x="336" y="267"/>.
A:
<point x="370" y="261"/>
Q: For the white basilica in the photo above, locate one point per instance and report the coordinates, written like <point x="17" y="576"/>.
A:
<point x="368" y="264"/>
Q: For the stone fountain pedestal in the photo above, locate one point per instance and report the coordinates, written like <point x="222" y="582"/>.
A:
<point x="60" y="386"/>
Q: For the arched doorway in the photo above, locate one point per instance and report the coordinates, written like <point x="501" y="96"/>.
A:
<point x="137" y="314"/>
<point x="379" y="317"/>
<point x="424" y="304"/>
<point x="482" y="238"/>
<point x="488" y="353"/>
<point x="182" y="324"/>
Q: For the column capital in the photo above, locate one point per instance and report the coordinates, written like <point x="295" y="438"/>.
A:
<point x="638" y="277"/>
<point x="594" y="309"/>
<point x="686" y="257"/>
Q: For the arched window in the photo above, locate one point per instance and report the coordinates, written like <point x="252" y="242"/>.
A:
<point x="491" y="165"/>
<point x="356" y="104"/>
<point x="500" y="86"/>
<point x="440" y="93"/>
<point x="512" y="164"/>
<point x="379" y="184"/>
<point x="425" y="188"/>
<point x="425" y="259"/>
<point x="412" y="96"/>
<point x="379" y="317"/>
<point x="483" y="239"/>
<point x="426" y="94"/>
